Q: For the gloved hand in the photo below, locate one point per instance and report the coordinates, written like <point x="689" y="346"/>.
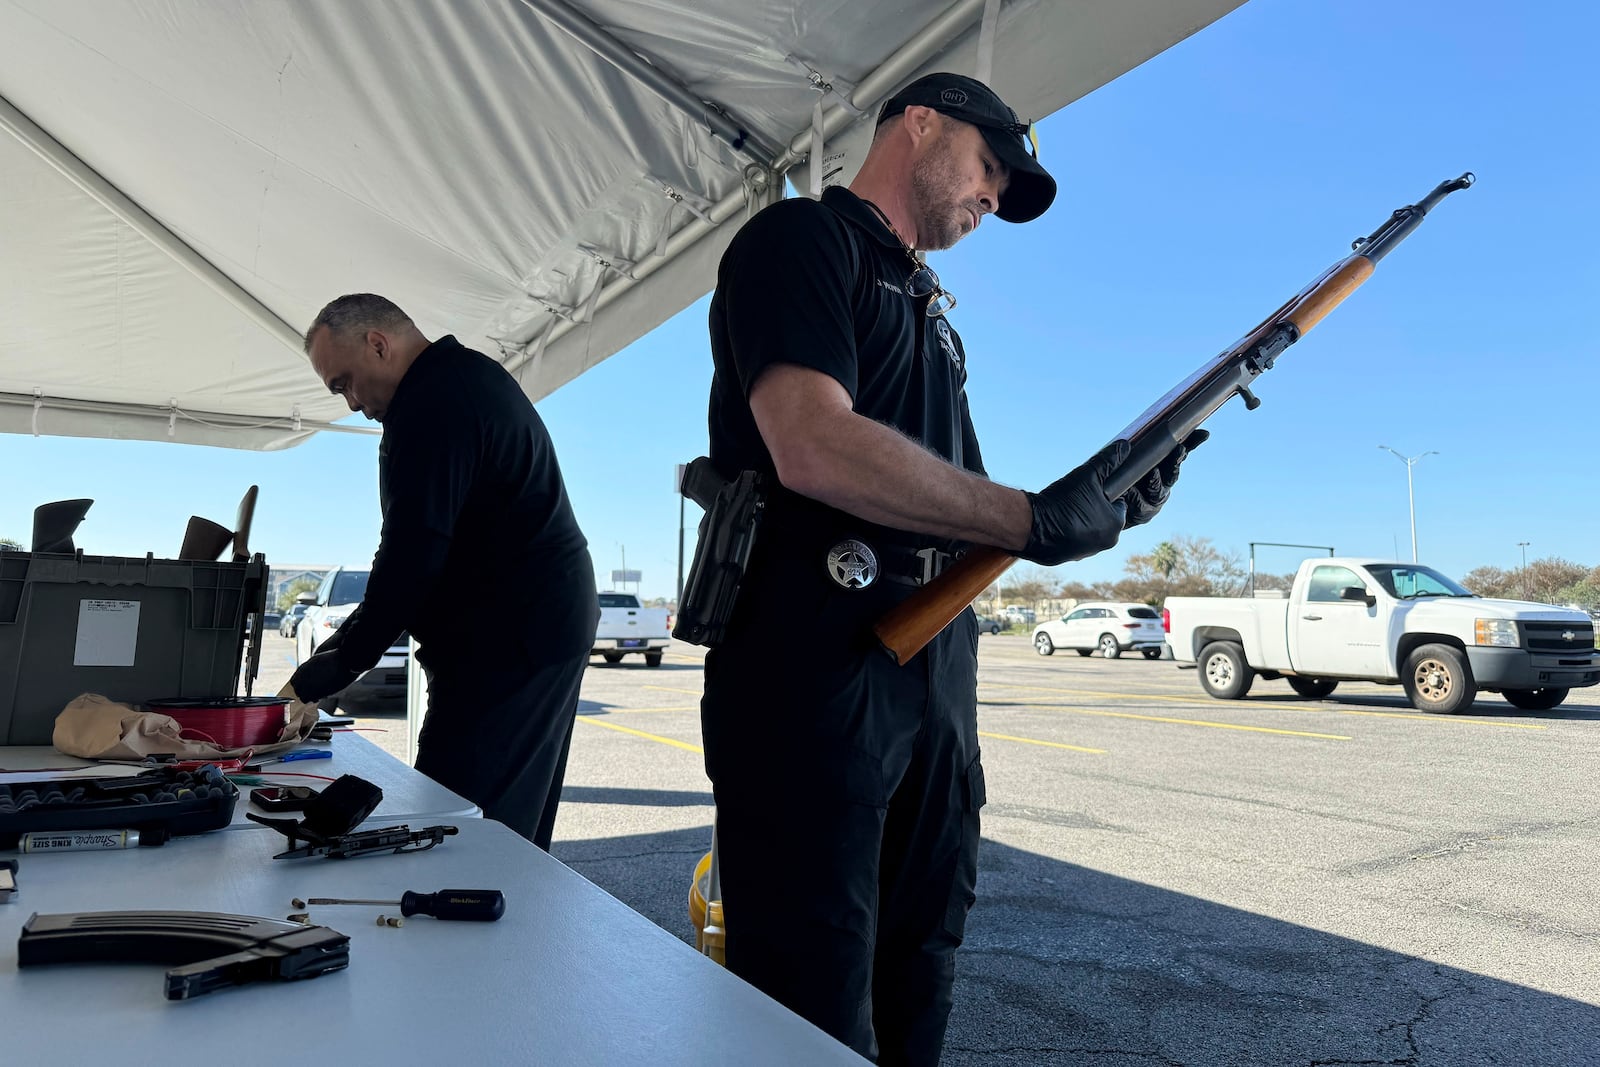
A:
<point x="1072" y="519"/>
<point x="324" y="674"/>
<point x="1146" y="498"/>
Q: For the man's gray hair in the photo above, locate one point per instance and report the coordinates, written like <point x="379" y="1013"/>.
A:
<point x="358" y="313"/>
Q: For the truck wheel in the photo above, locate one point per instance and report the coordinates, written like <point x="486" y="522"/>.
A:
<point x="1042" y="644"/>
<point x="652" y="659"/>
<point x="612" y="657"/>
<point x="1223" y="670"/>
<point x="1151" y="653"/>
<point x="1437" y="679"/>
<point x="1312" y="688"/>
<point x="1535" y="699"/>
<point x="1109" y="647"/>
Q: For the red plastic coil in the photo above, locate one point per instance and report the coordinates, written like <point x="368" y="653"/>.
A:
<point x="229" y="722"/>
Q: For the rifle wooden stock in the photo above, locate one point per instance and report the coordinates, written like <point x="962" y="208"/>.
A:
<point x="909" y="626"/>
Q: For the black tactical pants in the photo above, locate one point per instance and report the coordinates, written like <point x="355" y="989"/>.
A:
<point x="847" y="793"/>
<point x="500" y="739"/>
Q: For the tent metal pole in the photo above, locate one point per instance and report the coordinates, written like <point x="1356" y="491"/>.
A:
<point x="715" y="117"/>
<point x="119" y="204"/>
<point x="164" y="413"/>
<point x="922" y="46"/>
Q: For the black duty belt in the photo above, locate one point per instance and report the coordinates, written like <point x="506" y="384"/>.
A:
<point x="914" y="566"/>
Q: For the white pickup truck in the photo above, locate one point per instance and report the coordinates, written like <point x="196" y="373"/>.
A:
<point x="627" y="626"/>
<point x="1381" y="621"/>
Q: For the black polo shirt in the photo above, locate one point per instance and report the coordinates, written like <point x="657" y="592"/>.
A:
<point x="481" y="557"/>
<point x="822" y="285"/>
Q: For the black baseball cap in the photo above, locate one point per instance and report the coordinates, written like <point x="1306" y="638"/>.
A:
<point x="1031" y="189"/>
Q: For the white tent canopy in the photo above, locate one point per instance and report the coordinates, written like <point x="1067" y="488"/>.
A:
<point x="186" y="181"/>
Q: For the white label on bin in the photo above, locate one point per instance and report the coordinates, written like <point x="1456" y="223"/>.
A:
<point x="108" y="632"/>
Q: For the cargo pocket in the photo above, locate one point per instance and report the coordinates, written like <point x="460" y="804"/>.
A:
<point x="964" y="886"/>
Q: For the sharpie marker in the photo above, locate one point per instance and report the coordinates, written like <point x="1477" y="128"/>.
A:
<point x="89" y="840"/>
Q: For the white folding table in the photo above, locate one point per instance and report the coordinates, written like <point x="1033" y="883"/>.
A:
<point x="569" y="976"/>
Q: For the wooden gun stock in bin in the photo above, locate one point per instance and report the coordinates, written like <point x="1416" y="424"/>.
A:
<point x="907" y="628"/>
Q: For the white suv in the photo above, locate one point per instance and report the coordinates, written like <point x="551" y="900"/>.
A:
<point x="1106" y="628"/>
<point x="383" y="688"/>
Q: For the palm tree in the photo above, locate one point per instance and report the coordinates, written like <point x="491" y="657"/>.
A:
<point x="1164" y="558"/>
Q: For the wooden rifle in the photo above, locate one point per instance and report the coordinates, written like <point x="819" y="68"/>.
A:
<point x="909" y="626"/>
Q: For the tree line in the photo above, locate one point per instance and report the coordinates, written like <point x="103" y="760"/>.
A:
<point x="1193" y="566"/>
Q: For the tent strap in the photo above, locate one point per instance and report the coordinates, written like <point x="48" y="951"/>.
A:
<point x="986" y="32"/>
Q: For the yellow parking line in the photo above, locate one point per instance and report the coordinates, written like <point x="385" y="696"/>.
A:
<point x="1048" y="744"/>
<point x="671" y="689"/>
<point x="1423" y="716"/>
<point x="1183" y="722"/>
<point x="641" y="733"/>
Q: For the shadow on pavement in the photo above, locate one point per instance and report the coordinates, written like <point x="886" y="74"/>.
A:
<point x="656" y="798"/>
<point x="1065" y="965"/>
<point x="1577" y="709"/>
<point x="640" y="665"/>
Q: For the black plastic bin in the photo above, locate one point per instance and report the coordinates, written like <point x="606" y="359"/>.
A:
<point x="128" y="629"/>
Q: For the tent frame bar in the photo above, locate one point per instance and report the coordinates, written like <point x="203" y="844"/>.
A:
<point x="232" y="420"/>
<point x="642" y="69"/>
<point x="917" y="50"/>
<point x="85" y="177"/>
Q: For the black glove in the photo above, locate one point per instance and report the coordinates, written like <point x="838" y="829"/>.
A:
<point x="1146" y="498"/>
<point x="1072" y="519"/>
<point x="320" y="676"/>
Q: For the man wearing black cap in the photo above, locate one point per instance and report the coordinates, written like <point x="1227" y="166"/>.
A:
<point x="848" y="787"/>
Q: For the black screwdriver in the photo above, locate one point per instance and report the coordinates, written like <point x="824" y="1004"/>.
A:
<point x="471" y="905"/>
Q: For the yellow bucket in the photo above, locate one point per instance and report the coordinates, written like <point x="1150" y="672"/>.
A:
<point x="709" y="934"/>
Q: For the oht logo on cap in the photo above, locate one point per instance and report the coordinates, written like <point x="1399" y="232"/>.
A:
<point x="954" y="97"/>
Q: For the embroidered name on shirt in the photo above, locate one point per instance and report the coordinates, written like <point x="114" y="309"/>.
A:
<point x="942" y="328"/>
<point x="891" y="287"/>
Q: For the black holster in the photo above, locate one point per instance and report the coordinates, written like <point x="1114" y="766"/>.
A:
<point x="727" y="534"/>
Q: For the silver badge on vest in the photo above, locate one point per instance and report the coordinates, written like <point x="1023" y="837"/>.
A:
<point x="853" y="564"/>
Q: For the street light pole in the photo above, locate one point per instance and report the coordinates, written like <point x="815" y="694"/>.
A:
<point x="1410" y="491"/>
<point x="1524" y="546"/>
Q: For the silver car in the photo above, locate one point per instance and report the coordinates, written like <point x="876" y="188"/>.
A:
<point x="1107" y="628"/>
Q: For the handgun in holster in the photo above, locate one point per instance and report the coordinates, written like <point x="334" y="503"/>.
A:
<point x="727" y="534"/>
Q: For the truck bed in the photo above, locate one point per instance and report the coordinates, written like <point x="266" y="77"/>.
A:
<point x="1256" y="623"/>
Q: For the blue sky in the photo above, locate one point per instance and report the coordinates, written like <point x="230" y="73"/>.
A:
<point x="1197" y="193"/>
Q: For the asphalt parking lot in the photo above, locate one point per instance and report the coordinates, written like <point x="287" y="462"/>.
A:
<point x="1169" y="879"/>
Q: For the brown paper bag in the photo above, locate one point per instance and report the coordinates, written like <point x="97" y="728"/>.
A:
<point x="93" y="727"/>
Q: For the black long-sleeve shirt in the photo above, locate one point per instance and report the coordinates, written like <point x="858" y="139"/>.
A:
<point x="481" y="557"/>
